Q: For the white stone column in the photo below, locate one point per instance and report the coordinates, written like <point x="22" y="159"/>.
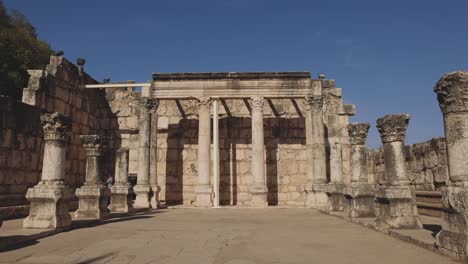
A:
<point x="259" y="190"/>
<point x="359" y="193"/>
<point x="142" y="188"/>
<point x="153" y="171"/>
<point x="316" y="177"/>
<point x="204" y="189"/>
<point x="50" y="198"/>
<point x="121" y="191"/>
<point x="215" y="153"/>
<point x="452" y="91"/>
<point x="396" y="198"/>
<point x="94" y="195"/>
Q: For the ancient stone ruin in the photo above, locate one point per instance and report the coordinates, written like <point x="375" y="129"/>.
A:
<point x="225" y="139"/>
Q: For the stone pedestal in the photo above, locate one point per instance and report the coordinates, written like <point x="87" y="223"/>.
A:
<point x="50" y="198"/>
<point x="337" y="200"/>
<point x="316" y="177"/>
<point x="143" y="188"/>
<point x="121" y="191"/>
<point x="94" y="195"/>
<point x="452" y="91"/>
<point x="359" y="194"/>
<point x="259" y="190"/>
<point x="395" y="197"/>
<point x="204" y="190"/>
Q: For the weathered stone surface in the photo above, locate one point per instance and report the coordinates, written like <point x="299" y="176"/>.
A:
<point x="121" y="191"/>
<point x="393" y="127"/>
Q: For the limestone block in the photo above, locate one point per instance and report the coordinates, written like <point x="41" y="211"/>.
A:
<point x="441" y="174"/>
<point x="93" y="201"/>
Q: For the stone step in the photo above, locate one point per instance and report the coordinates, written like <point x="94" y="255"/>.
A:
<point x="429" y="203"/>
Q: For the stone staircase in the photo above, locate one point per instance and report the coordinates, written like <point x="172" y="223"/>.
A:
<point x="429" y="203"/>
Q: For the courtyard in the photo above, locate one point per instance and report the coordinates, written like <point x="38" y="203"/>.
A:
<point x="231" y="236"/>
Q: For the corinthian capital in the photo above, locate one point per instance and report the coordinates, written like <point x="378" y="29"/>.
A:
<point x="452" y="92"/>
<point x="393" y="127"/>
<point x="204" y="104"/>
<point x="148" y="104"/>
<point x="56" y="126"/>
<point x="257" y="103"/>
<point x="314" y="103"/>
<point x="358" y="133"/>
<point x="94" y="144"/>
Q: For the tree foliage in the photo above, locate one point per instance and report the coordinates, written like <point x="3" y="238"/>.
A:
<point x="19" y="50"/>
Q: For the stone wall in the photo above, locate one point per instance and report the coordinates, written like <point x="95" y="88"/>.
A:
<point x="58" y="88"/>
<point x="426" y="164"/>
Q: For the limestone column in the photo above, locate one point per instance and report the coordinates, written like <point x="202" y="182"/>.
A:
<point x="155" y="189"/>
<point x="336" y="185"/>
<point x="142" y="188"/>
<point x="259" y="190"/>
<point x="395" y="197"/>
<point x="452" y="91"/>
<point x="360" y="193"/>
<point x="204" y="189"/>
<point x="316" y="177"/>
<point x="50" y="198"/>
<point x="94" y="195"/>
<point x="121" y="191"/>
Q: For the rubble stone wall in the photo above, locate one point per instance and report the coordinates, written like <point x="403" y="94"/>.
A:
<point x="426" y="164"/>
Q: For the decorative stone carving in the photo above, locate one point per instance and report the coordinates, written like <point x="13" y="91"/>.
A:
<point x="257" y="103"/>
<point x="50" y="198"/>
<point x="149" y="104"/>
<point x="93" y="196"/>
<point x="358" y="133"/>
<point x="204" y="104"/>
<point x="121" y="191"/>
<point x="314" y="103"/>
<point x="452" y="92"/>
<point x="393" y="127"/>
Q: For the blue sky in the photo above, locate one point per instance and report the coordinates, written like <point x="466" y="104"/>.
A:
<point x="386" y="55"/>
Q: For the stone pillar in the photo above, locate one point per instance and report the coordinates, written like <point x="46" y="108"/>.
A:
<point x="50" y="198"/>
<point x="335" y="187"/>
<point x="259" y="190"/>
<point x="360" y="193"/>
<point x="153" y="172"/>
<point x="452" y="91"/>
<point x="395" y="197"/>
<point x="204" y="189"/>
<point x="316" y="177"/>
<point x="142" y="188"/>
<point x="121" y="191"/>
<point x="94" y="195"/>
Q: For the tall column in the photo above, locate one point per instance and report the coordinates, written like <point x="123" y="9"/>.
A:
<point x="396" y="198"/>
<point x="94" y="195"/>
<point x="153" y="172"/>
<point x="203" y="189"/>
<point x="452" y="91"/>
<point x="50" y="198"/>
<point x="142" y="188"/>
<point x="216" y="152"/>
<point x="336" y="185"/>
<point x="259" y="190"/>
<point x="360" y="193"/>
<point x="121" y="191"/>
<point x="316" y="177"/>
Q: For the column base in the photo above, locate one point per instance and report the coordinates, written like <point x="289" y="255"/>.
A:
<point x="142" y="199"/>
<point x="259" y="196"/>
<point x="204" y="196"/>
<point x="93" y="201"/>
<point x="49" y="206"/>
<point x="360" y="200"/>
<point x="121" y="198"/>
<point x="337" y="201"/>
<point x="397" y="208"/>
<point x="154" y="200"/>
<point x="316" y="197"/>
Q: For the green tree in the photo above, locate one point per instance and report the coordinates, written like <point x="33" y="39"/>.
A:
<point x="19" y="50"/>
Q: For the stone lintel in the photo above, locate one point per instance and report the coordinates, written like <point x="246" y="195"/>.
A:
<point x="229" y="75"/>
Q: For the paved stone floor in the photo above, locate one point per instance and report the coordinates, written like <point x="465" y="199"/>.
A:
<point x="231" y="236"/>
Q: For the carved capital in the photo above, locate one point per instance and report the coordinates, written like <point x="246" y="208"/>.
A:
<point x="257" y="103"/>
<point x="358" y="133"/>
<point x="393" y="127"/>
<point x="148" y="104"/>
<point x="313" y="103"/>
<point x="204" y="104"/>
<point x="452" y="92"/>
<point x="56" y="126"/>
<point x="94" y="144"/>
